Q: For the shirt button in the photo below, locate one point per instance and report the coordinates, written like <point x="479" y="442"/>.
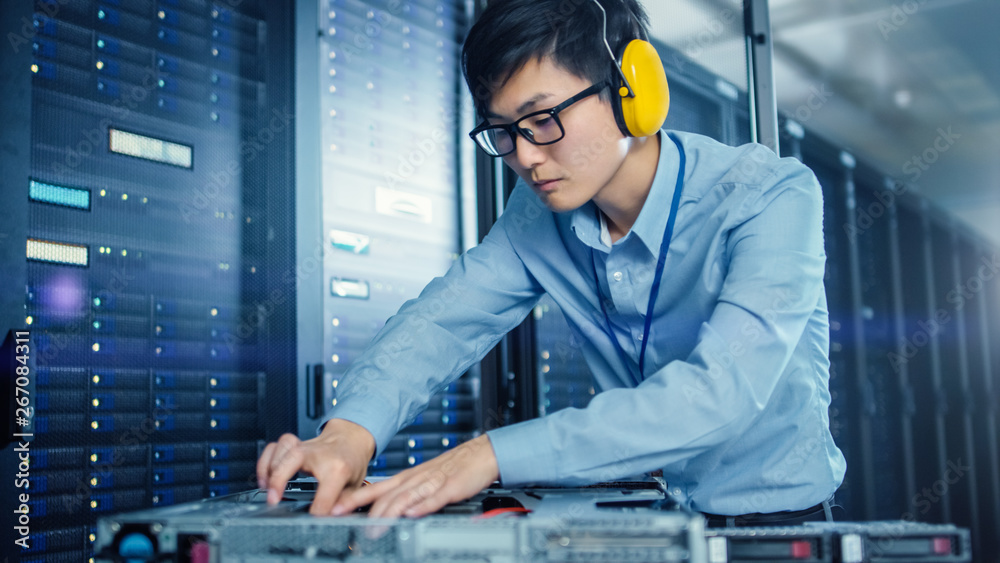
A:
<point x="618" y="276"/>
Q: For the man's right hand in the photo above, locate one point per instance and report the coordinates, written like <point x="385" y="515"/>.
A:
<point x="338" y="459"/>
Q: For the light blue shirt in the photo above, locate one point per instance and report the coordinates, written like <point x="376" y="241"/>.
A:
<point x="733" y="406"/>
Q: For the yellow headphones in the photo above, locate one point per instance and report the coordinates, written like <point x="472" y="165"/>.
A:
<point x="642" y="98"/>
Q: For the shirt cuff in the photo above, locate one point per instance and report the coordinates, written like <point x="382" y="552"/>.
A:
<point x="369" y="417"/>
<point x="524" y="453"/>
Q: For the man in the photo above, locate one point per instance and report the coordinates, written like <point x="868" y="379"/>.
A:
<point x="713" y="361"/>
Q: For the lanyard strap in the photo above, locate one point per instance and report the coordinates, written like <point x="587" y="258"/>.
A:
<point x="668" y="233"/>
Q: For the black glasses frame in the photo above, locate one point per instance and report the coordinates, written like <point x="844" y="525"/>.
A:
<point x="513" y="129"/>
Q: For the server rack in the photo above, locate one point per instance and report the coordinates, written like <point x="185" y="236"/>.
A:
<point x="888" y="459"/>
<point x="922" y="357"/>
<point x="151" y="259"/>
<point x="985" y="322"/>
<point x="386" y="196"/>
<point x="834" y="170"/>
<point x="963" y="466"/>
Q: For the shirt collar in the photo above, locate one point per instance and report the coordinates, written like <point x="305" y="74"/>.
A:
<point x="652" y="220"/>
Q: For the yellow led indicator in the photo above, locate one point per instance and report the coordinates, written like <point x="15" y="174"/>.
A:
<point x="93" y="504"/>
<point x="124" y="197"/>
<point x="93" y="538"/>
<point x="412" y="443"/>
<point x="124" y="252"/>
<point x="214" y="312"/>
<point x="94" y="424"/>
<point x="161" y="14"/>
<point x="93" y="458"/>
<point x="96" y="402"/>
<point x="334" y="402"/>
<point x="213" y="402"/>
<point x="213" y="452"/>
<point x="104" y="193"/>
<point x="34" y="69"/>
<point x="96" y="379"/>
<point x="96" y="347"/>
<point x="336" y="322"/>
<point x="335" y="383"/>
<point x="211" y="474"/>
<point x="213" y="381"/>
<point x="100" y="65"/>
<point x="214" y="423"/>
<point x="145" y="200"/>
<point x="445" y="442"/>
<point x="93" y="481"/>
<point x="29" y="320"/>
<point x="336" y="358"/>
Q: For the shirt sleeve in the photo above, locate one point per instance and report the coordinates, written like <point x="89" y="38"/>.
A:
<point x="773" y="286"/>
<point x="434" y="338"/>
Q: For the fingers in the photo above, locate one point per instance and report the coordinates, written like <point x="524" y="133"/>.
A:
<point x="418" y="486"/>
<point x="285" y="462"/>
<point x="329" y="490"/>
<point x="428" y="505"/>
<point x="264" y="465"/>
<point x="350" y="500"/>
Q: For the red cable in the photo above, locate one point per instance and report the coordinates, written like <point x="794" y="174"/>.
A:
<point x="497" y="511"/>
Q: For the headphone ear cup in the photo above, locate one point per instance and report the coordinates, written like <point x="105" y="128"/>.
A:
<point x="644" y="114"/>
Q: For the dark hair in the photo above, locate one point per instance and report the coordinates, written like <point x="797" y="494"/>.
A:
<point x="509" y="33"/>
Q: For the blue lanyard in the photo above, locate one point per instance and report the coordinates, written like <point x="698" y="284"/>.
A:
<point x="661" y="260"/>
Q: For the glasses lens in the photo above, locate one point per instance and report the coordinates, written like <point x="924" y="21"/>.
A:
<point x="495" y="141"/>
<point x="541" y="129"/>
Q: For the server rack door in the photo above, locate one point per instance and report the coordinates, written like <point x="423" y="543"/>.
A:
<point x="974" y="264"/>
<point x="988" y="390"/>
<point x="889" y="467"/>
<point x="840" y="269"/>
<point x="920" y="353"/>
<point x="154" y="234"/>
<point x="962" y="466"/>
<point x="385" y="98"/>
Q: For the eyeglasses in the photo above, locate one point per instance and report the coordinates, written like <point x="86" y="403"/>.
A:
<point x="539" y="128"/>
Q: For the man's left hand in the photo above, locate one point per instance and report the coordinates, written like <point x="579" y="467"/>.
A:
<point x="451" y="477"/>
